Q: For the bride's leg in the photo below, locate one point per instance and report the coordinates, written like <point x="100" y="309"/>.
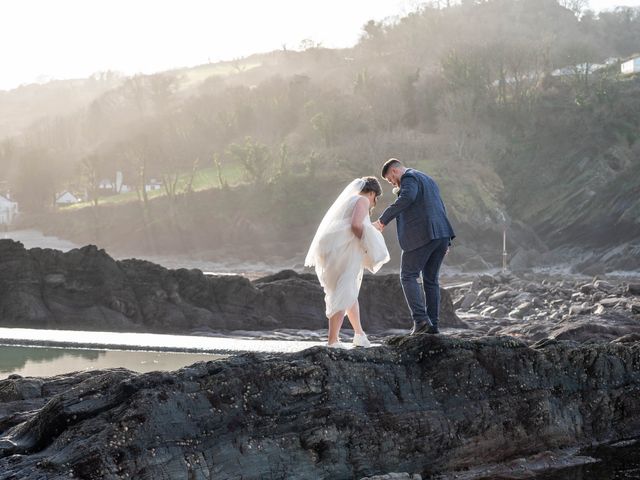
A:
<point x="354" y="318"/>
<point x="335" y="323"/>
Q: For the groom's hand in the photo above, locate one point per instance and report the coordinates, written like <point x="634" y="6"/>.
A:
<point x="379" y="226"/>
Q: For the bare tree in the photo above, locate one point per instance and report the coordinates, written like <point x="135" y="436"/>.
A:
<point x="254" y="157"/>
<point x="162" y="88"/>
<point x="135" y="89"/>
<point x="91" y="167"/>
<point x="218" y="164"/>
<point x="238" y="65"/>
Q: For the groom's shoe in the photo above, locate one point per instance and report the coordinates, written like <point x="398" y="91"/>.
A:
<point x="420" y="328"/>
<point x="433" y="329"/>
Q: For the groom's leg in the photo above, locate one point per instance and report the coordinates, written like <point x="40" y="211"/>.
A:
<point x="412" y="264"/>
<point x="430" y="278"/>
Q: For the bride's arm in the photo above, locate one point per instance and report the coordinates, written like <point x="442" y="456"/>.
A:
<point x="360" y="212"/>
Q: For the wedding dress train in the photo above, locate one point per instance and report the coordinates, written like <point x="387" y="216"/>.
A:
<point x="339" y="257"/>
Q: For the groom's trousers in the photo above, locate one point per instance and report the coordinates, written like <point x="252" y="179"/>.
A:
<point x="424" y="302"/>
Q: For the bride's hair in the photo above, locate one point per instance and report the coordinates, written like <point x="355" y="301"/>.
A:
<point x="371" y="184"/>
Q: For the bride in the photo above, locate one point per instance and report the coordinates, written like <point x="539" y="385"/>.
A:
<point x="345" y="244"/>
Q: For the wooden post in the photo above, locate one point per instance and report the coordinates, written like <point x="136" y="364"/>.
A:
<point x="504" y="249"/>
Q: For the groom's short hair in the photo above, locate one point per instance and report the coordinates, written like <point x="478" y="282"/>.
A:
<point x="392" y="162"/>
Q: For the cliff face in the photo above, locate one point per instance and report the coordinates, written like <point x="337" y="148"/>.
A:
<point x="87" y="289"/>
<point x="421" y="404"/>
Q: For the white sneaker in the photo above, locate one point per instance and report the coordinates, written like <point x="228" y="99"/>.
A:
<point x="361" y="341"/>
<point x="338" y="345"/>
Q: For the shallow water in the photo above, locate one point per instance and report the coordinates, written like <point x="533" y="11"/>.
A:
<point x="36" y="239"/>
<point x="30" y="361"/>
<point x="148" y="341"/>
<point x="35" y="352"/>
<point x="39" y="352"/>
<point x="615" y="463"/>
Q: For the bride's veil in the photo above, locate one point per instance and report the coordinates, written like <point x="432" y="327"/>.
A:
<point x="331" y="218"/>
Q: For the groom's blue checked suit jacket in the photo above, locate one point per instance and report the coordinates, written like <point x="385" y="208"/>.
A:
<point x="419" y="212"/>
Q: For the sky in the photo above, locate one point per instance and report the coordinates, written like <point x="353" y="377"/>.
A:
<point x="42" y="39"/>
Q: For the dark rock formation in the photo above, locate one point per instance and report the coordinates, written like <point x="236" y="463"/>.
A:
<point x="87" y="289"/>
<point x="625" y="257"/>
<point x="533" y="308"/>
<point x="422" y="405"/>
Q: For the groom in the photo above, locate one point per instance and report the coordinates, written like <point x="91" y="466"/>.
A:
<point x="424" y="233"/>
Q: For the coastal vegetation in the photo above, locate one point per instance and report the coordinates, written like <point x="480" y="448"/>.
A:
<point x="516" y="107"/>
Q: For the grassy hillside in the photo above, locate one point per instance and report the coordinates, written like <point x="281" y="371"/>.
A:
<point x="471" y="94"/>
<point x="27" y="104"/>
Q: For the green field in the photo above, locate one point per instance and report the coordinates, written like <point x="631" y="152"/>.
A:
<point x="204" y="179"/>
<point x="193" y="76"/>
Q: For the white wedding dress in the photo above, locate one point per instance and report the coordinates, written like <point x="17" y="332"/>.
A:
<point x="340" y="257"/>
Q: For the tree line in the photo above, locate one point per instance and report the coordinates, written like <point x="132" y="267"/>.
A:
<point x="466" y="83"/>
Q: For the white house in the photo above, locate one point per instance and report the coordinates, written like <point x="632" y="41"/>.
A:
<point x="152" y="185"/>
<point x="630" y="66"/>
<point x="8" y="210"/>
<point x="106" y="184"/>
<point x="67" y="198"/>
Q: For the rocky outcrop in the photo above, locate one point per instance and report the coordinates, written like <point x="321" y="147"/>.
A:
<point x="87" y="289"/>
<point x="534" y="308"/>
<point x="422" y="404"/>
<point x="623" y="257"/>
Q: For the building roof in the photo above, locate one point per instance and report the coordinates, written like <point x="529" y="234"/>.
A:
<point x="4" y="200"/>
<point x="66" y="193"/>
